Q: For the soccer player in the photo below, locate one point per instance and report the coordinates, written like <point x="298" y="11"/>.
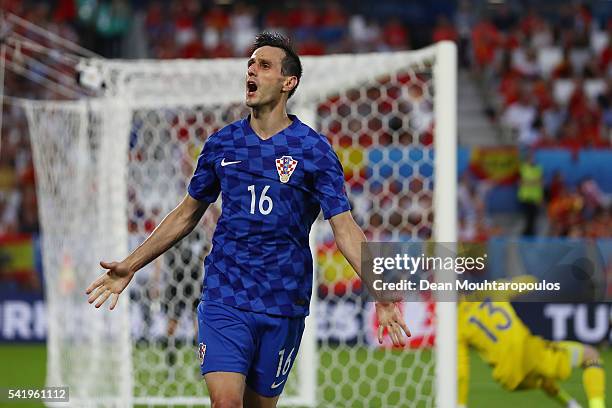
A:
<point x="274" y="174"/>
<point x="520" y="360"/>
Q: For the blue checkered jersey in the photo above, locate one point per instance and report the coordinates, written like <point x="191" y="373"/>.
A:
<point x="272" y="191"/>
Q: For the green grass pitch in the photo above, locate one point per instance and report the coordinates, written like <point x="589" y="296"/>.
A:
<point x="24" y="366"/>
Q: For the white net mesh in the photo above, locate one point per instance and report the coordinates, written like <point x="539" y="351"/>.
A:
<point x="382" y="132"/>
<point x="378" y="112"/>
<point x="84" y="220"/>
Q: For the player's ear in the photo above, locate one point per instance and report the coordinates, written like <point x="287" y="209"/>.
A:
<point x="290" y="83"/>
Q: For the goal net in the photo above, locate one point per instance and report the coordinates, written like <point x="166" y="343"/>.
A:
<point x="110" y="168"/>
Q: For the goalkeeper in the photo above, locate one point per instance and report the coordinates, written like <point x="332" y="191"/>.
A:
<point x="521" y="360"/>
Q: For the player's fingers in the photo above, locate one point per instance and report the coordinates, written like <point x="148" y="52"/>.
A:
<point x="390" y="332"/>
<point x="381" y="330"/>
<point x="114" y="301"/>
<point x="405" y="328"/>
<point x="400" y="335"/>
<point x="104" y="298"/>
<point x="95" y="284"/>
<point x="393" y="335"/>
<point x="96" y="294"/>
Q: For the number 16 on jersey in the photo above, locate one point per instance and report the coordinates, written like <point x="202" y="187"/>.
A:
<point x="265" y="202"/>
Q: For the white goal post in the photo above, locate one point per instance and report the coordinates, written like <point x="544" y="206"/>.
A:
<point x="109" y="168"/>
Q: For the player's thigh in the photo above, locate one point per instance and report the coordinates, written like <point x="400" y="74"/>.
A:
<point x="254" y="400"/>
<point x="226" y="339"/>
<point x="226" y="389"/>
<point x="279" y="342"/>
<point x="552" y="361"/>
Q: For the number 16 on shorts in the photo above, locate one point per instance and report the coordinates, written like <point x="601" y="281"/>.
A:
<point x="284" y="365"/>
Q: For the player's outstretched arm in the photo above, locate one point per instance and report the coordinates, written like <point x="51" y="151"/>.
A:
<point x="349" y="237"/>
<point x="176" y="225"/>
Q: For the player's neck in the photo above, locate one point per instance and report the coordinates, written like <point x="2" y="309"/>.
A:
<point x="267" y="121"/>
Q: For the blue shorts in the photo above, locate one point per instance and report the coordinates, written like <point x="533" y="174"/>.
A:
<point x="260" y="346"/>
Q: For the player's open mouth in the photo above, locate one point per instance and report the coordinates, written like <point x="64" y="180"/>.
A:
<point x="251" y="87"/>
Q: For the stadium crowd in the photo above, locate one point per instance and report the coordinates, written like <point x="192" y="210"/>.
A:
<point x="553" y="77"/>
<point x="552" y="74"/>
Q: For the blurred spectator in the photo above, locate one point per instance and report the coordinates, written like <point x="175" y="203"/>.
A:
<point x="605" y="57"/>
<point x="541" y="90"/>
<point x="304" y="20"/>
<point x="333" y="23"/>
<point x="112" y="22"/>
<point x="604" y="101"/>
<point x="395" y="35"/>
<point x="583" y="19"/>
<point x="28" y="213"/>
<point x="593" y="198"/>
<point x="365" y="34"/>
<point x="530" y="192"/>
<point x="469" y="208"/>
<point x="520" y="116"/>
<point x="275" y="20"/>
<point x="504" y="19"/>
<point x="553" y="118"/>
<point x="541" y="35"/>
<point x="444" y="30"/>
<point x="485" y="40"/>
<point x="526" y="63"/>
<point x="218" y="19"/>
<point x="464" y="22"/>
<point x="590" y="130"/>
<point x="564" y="212"/>
<point x="9" y="208"/>
<point x="590" y="70"/>
<point x="184" y="24"/>
<point x="529" y="22"/>
<point x="421" y="115"/>
<point x="474" y="224"/>
<point x="578" y="104"/>
<point x="155" y="22"/>
<point x="467" y="203"/>
<point x="600" y="226"/>
<point x="568" y="136"/>
<point x="556" y="186"/>
<point x="538" y="136"/>
<point x="565" y="68"/>
<point x="242" y="23"/>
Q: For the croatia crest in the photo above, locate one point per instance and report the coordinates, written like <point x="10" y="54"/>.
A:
<point x="285" y="166"/>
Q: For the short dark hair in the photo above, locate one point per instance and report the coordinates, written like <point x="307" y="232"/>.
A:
<point x="291" y="65"/>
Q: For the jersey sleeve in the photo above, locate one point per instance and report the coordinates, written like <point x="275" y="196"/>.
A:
<point x="204" y="184"/>
<point x="329" y="181"/>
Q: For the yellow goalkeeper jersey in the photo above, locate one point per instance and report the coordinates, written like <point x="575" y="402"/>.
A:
<point x="499" y="336"/>
<point x="496" y="332"/>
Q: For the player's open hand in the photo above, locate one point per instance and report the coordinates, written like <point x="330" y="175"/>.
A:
<point x="110" y="284"/>
<point x="390" y="317"/>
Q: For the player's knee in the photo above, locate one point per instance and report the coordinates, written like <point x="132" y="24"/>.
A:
<point x="226" y="400"/>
